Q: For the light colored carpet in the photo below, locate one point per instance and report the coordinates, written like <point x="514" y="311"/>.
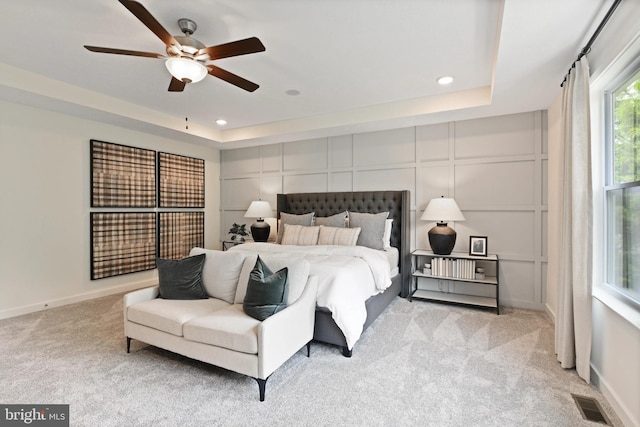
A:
<point x="420" y="363"/>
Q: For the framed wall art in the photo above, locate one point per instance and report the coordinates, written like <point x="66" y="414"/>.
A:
<point x="180" y="181"/>
<point x="122" y="176"/>
<point x="478" y="245"/>
<point x="178" y="232"/>
<point x="122" y="242"/>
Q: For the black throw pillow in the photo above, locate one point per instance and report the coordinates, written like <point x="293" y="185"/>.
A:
<point x="266" y="291"/>
<point x="182" y="278"/>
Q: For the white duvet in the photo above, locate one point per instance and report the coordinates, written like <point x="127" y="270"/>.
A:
<point x="347" y="277"/>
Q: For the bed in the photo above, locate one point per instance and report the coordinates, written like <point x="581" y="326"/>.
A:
<point x="397" y="203"/>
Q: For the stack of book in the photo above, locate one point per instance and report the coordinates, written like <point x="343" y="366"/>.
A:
<point x="454" y="268"/>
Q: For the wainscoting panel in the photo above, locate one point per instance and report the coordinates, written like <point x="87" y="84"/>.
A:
<point x="305" y="155"/>
<point x="385" y="179"/>
<point x="384" y="147"/>
<point x="303" y="183"/>
<point x="240" y="161"/>
<point x="500" y="136"/>
<point x="271" y="158"/>
<point x="341" y="151"/>
<point x="495" y="168"/>
<point x="497" y="184"/>
<point x="239" y="193"/>
<point x="432" y="142"/>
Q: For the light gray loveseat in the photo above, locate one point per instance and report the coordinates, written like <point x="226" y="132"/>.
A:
<point x="216" y="330"/>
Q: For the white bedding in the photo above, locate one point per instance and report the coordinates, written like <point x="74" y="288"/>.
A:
<point x="347" y="277"/>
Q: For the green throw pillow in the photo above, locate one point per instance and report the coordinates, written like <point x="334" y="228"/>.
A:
<point x="266" y="291"/>
<point x="182" y="278"/>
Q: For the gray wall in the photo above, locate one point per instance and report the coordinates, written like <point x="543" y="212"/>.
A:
<point x="495" y="168"/>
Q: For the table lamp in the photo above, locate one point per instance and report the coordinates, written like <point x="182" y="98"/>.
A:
<point x="442" y="238"/>
<point x="260" y="210"/>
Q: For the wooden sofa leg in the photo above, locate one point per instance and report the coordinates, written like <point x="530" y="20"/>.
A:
<point x="128" y="344"/>
<point x="261" y="386"/>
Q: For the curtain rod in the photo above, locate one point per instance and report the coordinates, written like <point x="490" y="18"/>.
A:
<point x="587" y="48"/>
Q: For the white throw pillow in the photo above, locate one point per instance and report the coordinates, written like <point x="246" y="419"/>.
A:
<point x="386" y="238"/>
<point x="221" y="272"/>
<point x="298" y="272"/>
<point x="300" y="235"/>
<point x="338" y="236"/>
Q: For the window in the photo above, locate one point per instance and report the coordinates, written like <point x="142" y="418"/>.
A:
<point x="622" y="189"/>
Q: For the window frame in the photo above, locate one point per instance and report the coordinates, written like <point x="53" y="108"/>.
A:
<point x="608" y="183"/>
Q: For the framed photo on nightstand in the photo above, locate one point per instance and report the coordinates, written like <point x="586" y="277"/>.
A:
<point x="478" y="245"/>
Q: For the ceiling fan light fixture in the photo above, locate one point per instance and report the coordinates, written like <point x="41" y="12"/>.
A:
<point x="186" y="70"/>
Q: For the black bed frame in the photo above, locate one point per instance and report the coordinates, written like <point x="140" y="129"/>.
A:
<point x="397" y="203"/>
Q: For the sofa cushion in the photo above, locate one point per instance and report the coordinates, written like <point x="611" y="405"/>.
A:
<point x="221" y="272"/>
<point x="266" y="291"/>
<point x="229" y="328"/>
<point x="298" y="273"/>
<point x="182" y="278"/>
<point x="170" y="315"/>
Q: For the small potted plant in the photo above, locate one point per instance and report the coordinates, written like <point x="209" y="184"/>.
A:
<point x="238" y="231"/>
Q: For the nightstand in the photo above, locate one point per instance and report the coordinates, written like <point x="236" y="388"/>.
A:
<point x="456" y="267"/>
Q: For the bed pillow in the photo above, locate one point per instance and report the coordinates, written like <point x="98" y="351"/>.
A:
<point x="338" y="236"/>
<point x="337" y="220"/>
<point x="285" y="218"/>
<point x="372" y="226"/>
<point x="182" y="278"/>
<point x="386" y="238"/>
<point x="297" y="275"/>
<point x="266" y="291"/>
<point x="220" y="272"/>
<point x="300" y="235"/>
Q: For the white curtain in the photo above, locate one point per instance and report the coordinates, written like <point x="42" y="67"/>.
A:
<point x="573" y="271"/>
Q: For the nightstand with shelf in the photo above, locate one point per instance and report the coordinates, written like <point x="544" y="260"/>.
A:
<point x="456" y="267"/>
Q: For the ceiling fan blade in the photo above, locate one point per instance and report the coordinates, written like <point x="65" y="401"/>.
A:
<point x="240" y="47"/>
<point x="147" y="19"/>
<point x="232" y="78"/>
<point x="176" y="85"/>
<point x="123" y="52"/>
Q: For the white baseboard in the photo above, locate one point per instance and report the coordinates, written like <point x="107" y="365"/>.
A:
<point x="45" y="305"/>
<point x="612" y="397"/>
<point x="550" y="313"/>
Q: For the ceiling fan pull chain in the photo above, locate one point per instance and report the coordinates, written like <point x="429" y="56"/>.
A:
<point x="186" y="119"/>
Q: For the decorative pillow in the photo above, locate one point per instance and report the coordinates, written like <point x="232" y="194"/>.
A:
<point x="266" y="291"/>
<point x="338" y="236"/>
<point x="220" y="273"/>
<point x="386" y="238"/>
<point x="181" y="279"/>
<point x="297" y="273"/>
<point x="285" y="218"/>
<point x="372" y="228"/>
<point x="300" y="235"/>
<point x="337" y="220"/>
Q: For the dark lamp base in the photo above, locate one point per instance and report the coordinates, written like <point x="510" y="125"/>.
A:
<point x="260" y="231"/>
<point x="442" y="239"/>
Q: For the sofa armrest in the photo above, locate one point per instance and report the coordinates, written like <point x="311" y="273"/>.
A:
<point x="140" y="295"/>
<point x="280" y="336"/>
<point x="145" y="294"/>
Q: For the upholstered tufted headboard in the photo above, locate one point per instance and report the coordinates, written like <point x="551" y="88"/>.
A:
<point x="397" y="203"/>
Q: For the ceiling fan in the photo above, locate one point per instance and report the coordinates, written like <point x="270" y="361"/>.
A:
<point x="186" y="56"/>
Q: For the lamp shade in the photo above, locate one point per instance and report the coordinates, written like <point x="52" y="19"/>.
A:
<point x="442" y="238"/>
<point x="442" y="209"/>
<point x="186" y="70"/>
<point x="259" y="209"/>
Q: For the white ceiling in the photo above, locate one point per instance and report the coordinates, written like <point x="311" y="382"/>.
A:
<point x="359" y="65"/>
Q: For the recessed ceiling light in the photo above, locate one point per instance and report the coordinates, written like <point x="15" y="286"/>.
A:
<point x="293" y="92"/>
<point x="221" y="122"/>
<point x="445" y="80"/>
